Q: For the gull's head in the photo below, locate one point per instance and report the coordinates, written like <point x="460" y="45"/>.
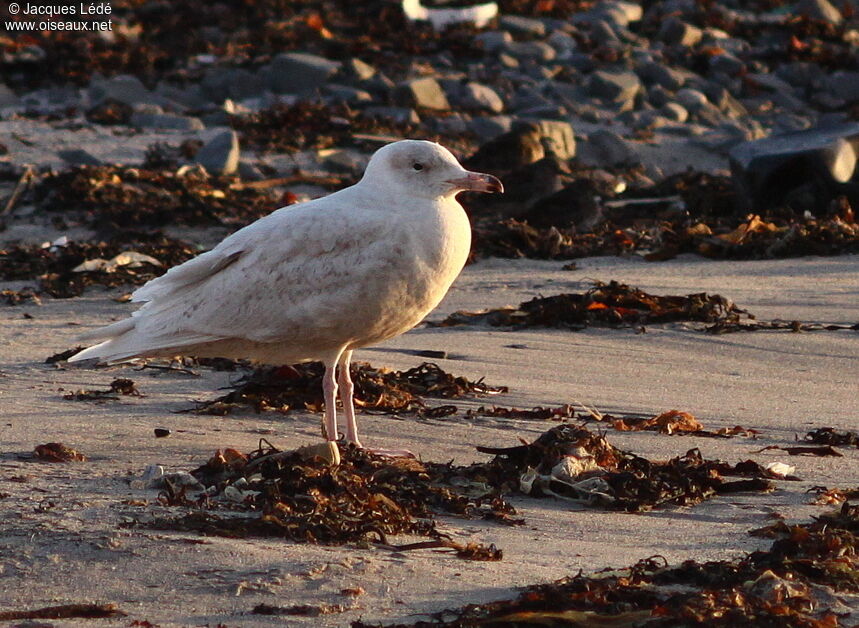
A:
<point x="426" y="170"/>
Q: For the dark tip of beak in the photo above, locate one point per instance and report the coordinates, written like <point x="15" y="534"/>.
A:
<point x="478" y="182"/>
<point x="493" y="184"/>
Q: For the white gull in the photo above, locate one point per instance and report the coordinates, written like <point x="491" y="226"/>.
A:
<point x="315" y="281"/>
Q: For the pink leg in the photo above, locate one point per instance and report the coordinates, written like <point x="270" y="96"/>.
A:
<point x="347" y="391"/>
<point x="329" y="394"/>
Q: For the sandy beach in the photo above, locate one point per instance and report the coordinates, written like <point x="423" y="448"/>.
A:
<point x="62" y="524"/>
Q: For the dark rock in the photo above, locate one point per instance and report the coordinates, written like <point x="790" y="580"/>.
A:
<point x="612" y="150"/>
<point x="691" y="99"/>
<point x="8" y="98"/>
<point x="563" y="43"/>
<point x="573" y="206"/>
<point x="110" y="112"/>
<point x="493" y="41"/>
<point x="191" y="96"/>
<point x="299" y="73"/>
<point x="822" y="10"/>
<point x="347" y="94"/>
<point x="356" y="70"/>
<point x="220" y="155"/>
<point x="530" y="51"/>
<point x="425" y="93"/>
<point x="519" y="25"/>
<point x="219" y="84"/>
<point x="510" y="151"/>
<point x="618" y="87"/>
<point x="726" y="63"/>
<point x="674" y="111"/>
<point x="399" y="115"/>
<point x="653" y="73"/>
<point x="766" y="171"/>
<point x="489" y="127"/>
<point x="675" y="32"/>
<point x="844" y="85"/>
<point x="127" y="89"/>
<point x="79" y="157"/>
<point x="166" y="121"/>
<point x="478" y="97"/>
<point x="249" y="171"/>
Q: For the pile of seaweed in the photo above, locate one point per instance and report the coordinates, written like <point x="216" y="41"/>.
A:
<point x="610" y="304"/>
<point x="66" y="269"/>
<point x="305" y="498"/>
<point x="116" y="198"/>
<point x="792" y="584"/>
<point x="615" y="304"/>
<point x="376" y="389"/>
<point x="312" y="495"/>
<point x="572" y="463"/>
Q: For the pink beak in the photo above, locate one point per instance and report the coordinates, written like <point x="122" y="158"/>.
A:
<point x="478" y="182"/>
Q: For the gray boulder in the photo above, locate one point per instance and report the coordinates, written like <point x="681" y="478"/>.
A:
<point x="8" y="98"/>
<point x="299" y="73"/>
<point x="166" y="121"/>
<point x="220" y="155"/>
<point x="124" y="88"/>
<point x="618" y="87"/>
<point x="478" y="97"/>
<point x="425" y="93"/>
<point x="610" y="149"/>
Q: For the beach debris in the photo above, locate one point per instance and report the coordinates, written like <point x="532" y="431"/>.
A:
<point x="831" y="436"/>
<point x="58" y="452"/>
<point x="668" y="422"/>
<point x="131" y="259"/>
<point x="612" y="304"/>
<point x="779" y="470"/>
<point x="833" y="496"/>
<point x="826" y="450"/>
<point x="66" y="611"/>
<point x="804" y="170"/>
<point x="441" y="18"/>
<point x="376" y="389"/>
<point x="62" y="356"/>
<point x="119" y="386"/>
<point x="795" y="582"/>
<point x="303" y="610"/>
<point x="18" y="297"/>
<point x="572" y="463"/>
<point x="162" y="432"/>
<point x="363" y="499"/>
<point x="66" y="271"/>
<point x="539" y="413"/>
<point x="116" y="198"/>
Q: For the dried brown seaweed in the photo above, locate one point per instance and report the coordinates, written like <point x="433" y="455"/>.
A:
<point x="606" y="304"/>
<point x="65" y="611"/>
<point x="831" y="436"/>
<point x="119" y="386"/>
<point x="120" y="197"/>
<point x="379" y="390"/>
<point x="364" y="498"/>
<point x="792" y="584"/>
<point x="573" y="463"/>
<point x="62" y="271"/>
<point x="58" y="452"/>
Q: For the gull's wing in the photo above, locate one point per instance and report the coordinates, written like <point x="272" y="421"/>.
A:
<point x="300" y="268"/>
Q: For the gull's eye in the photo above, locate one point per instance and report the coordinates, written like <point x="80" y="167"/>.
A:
<point x="417" y="167"/>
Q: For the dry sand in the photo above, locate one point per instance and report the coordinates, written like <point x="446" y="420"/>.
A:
<point x="61" y="539"/>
